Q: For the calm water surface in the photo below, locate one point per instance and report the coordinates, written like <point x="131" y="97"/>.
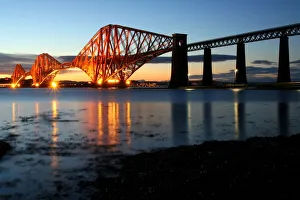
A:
<point x="57" y="136"/>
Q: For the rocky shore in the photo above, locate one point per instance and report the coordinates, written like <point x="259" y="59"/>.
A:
<point x="255" y="168"/>
<point x="4" y="147"/>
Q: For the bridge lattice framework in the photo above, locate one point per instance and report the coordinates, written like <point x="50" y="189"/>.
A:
<point x="116" y="52"/>
<point x="282" y="32"/>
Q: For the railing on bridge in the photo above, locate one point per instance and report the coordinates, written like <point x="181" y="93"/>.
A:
<point x="266" y="34"/>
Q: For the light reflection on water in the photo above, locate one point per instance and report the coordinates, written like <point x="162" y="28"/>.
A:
<point x="56" y="134"/>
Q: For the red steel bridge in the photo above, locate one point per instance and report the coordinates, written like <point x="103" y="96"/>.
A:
<point x="115" y="52"/>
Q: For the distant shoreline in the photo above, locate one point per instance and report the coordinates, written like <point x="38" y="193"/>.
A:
<point x="250" y="86"/>
<point x="186" y="88"/>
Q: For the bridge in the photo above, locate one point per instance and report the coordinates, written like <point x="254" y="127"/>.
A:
<point x="115" y="52"/>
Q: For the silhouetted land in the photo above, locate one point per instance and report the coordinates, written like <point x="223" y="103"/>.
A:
<point x="257" y="168"/>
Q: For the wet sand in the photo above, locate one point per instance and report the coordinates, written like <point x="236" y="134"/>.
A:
<point x="258" y="167"/>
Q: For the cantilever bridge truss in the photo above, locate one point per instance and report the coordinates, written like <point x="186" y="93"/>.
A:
<point x="114" y="52"/>
<point x="117" y="52"/>
<point x="18" y="73"/>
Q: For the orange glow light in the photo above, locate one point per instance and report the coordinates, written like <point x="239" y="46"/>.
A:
<point x="54" y="85"/>
<point x="113" y="81"/>
<point x="127" y="82"/>
<point x="37" y="85"/>
<point x="13" y="85"/>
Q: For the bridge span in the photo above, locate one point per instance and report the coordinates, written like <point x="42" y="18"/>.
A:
<point x="179" y="76"/>
<point x="115" y="52"/>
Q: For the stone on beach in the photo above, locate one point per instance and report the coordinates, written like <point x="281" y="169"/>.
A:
<point x="258" y="167"/>
<point x="4" y="147"/>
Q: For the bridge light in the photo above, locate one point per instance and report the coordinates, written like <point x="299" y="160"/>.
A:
<point x="37" y="85"/>
<point x="54" y="84"/>
<point x="128" y="82"/>
<point x="235" y="71"/>
<point x="18" y="85"/>
<point x="99" y="82"/>
<point x="13" y="85"/>
<point x="113" y="81"/>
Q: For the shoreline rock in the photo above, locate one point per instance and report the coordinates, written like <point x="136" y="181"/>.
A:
<point x="4" y="147"/>
<point x="258" y="167"/>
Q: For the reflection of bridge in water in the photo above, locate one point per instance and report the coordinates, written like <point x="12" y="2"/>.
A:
<point x="115" y="52"/>
<point x="111" y="123"/>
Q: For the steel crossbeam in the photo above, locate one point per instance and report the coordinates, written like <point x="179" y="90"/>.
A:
<point x="116" y="52"/>
<point x="42" y="67"/>
<point x="266" y="34"/>
<point x="19" y="72"/>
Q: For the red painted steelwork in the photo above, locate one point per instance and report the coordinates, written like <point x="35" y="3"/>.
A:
<point x="116" y="52"/>
<point x="19" y="72"/>
<point x="43" y="66"/>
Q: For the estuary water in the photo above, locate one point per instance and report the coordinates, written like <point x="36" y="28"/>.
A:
<point x="59" y="135"/>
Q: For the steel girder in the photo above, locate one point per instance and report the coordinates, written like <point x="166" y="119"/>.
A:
<point x="266" y="34"/>
<point x="116" y="52"/>
<point x="18" y="73"/>
<point x="42" y="67"/>
<point x="52" y="73"/>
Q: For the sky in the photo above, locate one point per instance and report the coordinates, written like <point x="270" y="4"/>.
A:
<point x="64" y="27"/>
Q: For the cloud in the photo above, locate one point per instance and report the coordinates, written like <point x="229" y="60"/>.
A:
<point x="263" y="62"/>
<point x="195" y="76"/>
<point x="194" y="58"/>
<point x="295" y="62"/>
<point x="261" y="70"/>
<point x="254" y="74"/>
<point x="9" y="61"/>
<point x="64" y="59"/>
<point x="266" y="73"/>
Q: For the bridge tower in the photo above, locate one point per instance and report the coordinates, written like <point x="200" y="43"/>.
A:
<point x="240" y="74"/>
<point x="284" y="61"/>
<point x="207" y="68"/>
<point x="179" y="71"/>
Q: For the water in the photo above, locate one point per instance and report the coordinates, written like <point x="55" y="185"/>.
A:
<point x="59" y="135"/>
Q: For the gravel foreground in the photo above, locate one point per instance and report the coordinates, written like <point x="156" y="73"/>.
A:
<point x="255" y="168"/>
<point x="4" y="147"/>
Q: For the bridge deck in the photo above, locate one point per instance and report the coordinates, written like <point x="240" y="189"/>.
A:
<point x="267" y="34"/>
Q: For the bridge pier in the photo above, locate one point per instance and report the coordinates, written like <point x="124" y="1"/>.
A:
<point x="240" y="73"/>
<point x="179" y="71"/>
<point x="207" y="68"/>
<point x="120" y="84"/>
<point x="284" y="61"/>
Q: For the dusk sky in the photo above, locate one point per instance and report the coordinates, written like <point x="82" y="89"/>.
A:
<point x="64" y="27"/>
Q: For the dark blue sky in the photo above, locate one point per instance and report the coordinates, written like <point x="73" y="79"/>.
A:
<point x="62" y="27"/>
